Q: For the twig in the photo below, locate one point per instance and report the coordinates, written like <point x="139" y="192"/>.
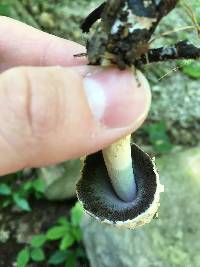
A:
<point x="181" y="50"/>
<point x="193" y="17"/>
<point x="92" y="18"/>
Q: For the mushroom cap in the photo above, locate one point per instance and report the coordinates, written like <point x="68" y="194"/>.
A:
<point x="95" y="191"/>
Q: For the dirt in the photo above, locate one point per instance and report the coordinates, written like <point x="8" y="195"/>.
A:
<point x="19" y="231"/>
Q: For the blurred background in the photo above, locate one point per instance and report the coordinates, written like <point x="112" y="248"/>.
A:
<point x="40" y="222"/>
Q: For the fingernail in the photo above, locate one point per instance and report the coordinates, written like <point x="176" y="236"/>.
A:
<point x="117" y="99"/>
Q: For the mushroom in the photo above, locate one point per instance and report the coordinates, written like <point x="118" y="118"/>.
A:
<point x="120" y="185"/>
<point x="124" y="190"/>
<point x="118" y="162"/>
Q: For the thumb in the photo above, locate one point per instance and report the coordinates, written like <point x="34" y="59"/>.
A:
<point x="48" y="115"/>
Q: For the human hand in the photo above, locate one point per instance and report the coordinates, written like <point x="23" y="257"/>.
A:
<point x="51" y="114"/>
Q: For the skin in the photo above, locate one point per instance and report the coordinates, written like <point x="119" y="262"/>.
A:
<point x="45" y="117"/>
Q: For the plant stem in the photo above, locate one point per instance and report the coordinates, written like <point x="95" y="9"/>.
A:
<point x="118" y="161"/>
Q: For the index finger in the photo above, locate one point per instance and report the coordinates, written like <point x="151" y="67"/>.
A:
<point x="21" y="44"/>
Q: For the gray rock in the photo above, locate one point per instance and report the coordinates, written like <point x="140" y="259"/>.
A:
<point x="176" y="96"/>
<point x="170" y="241"/>
<point x="61" y="180"/>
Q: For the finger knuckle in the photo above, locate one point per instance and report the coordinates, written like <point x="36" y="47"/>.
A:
<point x="32" y="103"/>
<point x="42" y="107"/>
<point x="13" y="102"/>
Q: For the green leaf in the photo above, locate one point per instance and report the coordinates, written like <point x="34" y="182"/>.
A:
<point x="76" y="214"/>
<point x="26" y="187"/>
<point x="5" y="203"/>
<point x="192" y="69"/>
<point x="23" y="258"/>
<point x="37" y="255"/>
<point x="56" y="232"/>
<point x="71" y="260"/>
<point x="22" y="203"/>
<point x="5" y="190"/>
<point x="158" y="137"/>
<point x="67" y="241"/>
<point x="39" y="185"/>
<point x="5" y="9"/>
<point x="58" y="257"/>
<point x="63" y="221"/>
<point x="38" y="241"/>
<point x="77" y="233"/>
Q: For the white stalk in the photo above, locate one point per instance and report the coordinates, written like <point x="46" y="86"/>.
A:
<point x="118" y="162"/>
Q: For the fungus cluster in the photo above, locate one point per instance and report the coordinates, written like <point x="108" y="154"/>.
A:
<point x="120" y="185"/>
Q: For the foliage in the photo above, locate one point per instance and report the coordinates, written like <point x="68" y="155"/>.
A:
<point x="158" y="137"/>
<point x="16" y="10"/>
<point x="192" y="69"/>
<point x="5" y="9"/>
<point x="19" y="197"/>
<point x="23" y="257"/>
<point x="65" y="234"/>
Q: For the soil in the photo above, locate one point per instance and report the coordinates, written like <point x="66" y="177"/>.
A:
<point x="16" y="225"/>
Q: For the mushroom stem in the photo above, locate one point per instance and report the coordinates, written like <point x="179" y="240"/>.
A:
<point x="118" y="162"/>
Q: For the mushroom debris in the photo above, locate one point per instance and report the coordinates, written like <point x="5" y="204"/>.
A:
<point x="122" y="39"/>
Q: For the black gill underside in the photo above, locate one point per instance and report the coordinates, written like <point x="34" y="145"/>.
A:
<point x="98" y="197"/>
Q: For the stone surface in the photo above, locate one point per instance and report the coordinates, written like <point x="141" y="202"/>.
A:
<point x="175" y="96"/>
<point x="172" y="240"/>
<point x="61" y="180"/>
